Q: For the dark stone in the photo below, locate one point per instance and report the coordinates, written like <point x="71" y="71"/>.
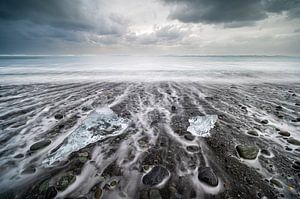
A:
<point x="192" y="148"/>
<point x="29" y="170"/>
<point x="276" y="183"/>
<point x="207" y="175"/>
<point x="279" y="108"/>
<point x="40" y="145"/>
<point x="264" y="121"/>
<point x="155" y="176"/>
<point x="154" y="194"/>
<point x="284" y="133"/>
<point x="189" y="137"/>
<point x="252" y="132"/>
<point x="65" y="181"/>
<point x="20" y="155"/>
<point x="293" y="141"/>
<point x="247" y="152"/>
<point x="58" y="116"/>
<point x="51" y="192"/>
<point x="265" y="152"/>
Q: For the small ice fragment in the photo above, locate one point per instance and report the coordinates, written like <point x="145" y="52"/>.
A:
<point x="98" y="125"/>
<point x="201" y="125"/>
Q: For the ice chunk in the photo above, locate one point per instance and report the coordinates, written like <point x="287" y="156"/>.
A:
<point x="99" y="124"/>
<point x="201" y="125"/>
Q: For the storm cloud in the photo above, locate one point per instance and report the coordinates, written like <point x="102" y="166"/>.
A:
<point x="240" y="12"/>
<point x="154" y="26"/>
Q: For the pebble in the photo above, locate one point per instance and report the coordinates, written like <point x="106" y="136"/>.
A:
<point x="284" y="133"/>
<point x="247" y="152"/>
<point x="58" y="116"/>
<point x="154" y="194"/>
<point x="189" y="137"/>
<point x="207" y="175"/>
<point x="192" y="148"/>
<point x="39" y="145"/>
<point x="252" y="132"/>
<point x="293" y="141"/>
<point x="264" y="121"/>
<point x="155" y="176"/>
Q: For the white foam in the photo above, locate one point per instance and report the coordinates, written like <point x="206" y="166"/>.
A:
<point x="201" y="125"/>
<point x="98" y="125"/>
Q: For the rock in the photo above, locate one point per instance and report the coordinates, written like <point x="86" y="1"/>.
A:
<point x="58" y="116"/>
<point x="20" y="155"/>
<point x="155" y="176"/>
<point x="192" y="148"/>
<point x="252" y="132"/>
<point x="207" y="175"/>
<point x="288" y="148"/>
<point x="265" y="152"/>
<point x="83" y="154"/>
<point x="40" y="145"/>
<point x="189" y="137"/>
<point x="29" y="170"/>
<point x="98" y="193"/>
<point x="284" y="133"/>
<point x="154" y="194"/>
<point x="44" y="186"/>
<point x="276" y="183"/>
<point x="83" y="159"/>
<point x="65" y="181"/>
<point x="247" y="152"/>
<point x="293" y="141"/>
<point x="279" y="108"/>
<point x="51" y="192"/>
<point x="264" y="121"/>
<point x="296" y="165"/>
<point x="173" y="108"/>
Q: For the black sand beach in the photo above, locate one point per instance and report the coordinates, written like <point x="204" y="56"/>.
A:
<point x="142" y="147"/>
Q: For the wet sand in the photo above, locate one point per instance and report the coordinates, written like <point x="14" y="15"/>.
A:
<point x="141" y="148"/>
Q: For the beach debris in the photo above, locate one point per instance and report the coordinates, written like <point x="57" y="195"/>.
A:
<point x="201" y="125"/>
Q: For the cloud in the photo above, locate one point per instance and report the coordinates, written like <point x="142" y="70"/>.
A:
<point x="33" y="23"/>
<point x="234" y="12"/>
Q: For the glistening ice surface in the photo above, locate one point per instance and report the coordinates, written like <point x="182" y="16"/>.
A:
<point x="201" y="125"/>
<point x="98" y="125"/>
<point x="167" y="127"/>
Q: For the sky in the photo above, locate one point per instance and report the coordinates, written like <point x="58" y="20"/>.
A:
<point x="164" y="27"/>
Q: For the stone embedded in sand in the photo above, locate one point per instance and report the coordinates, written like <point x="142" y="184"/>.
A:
<point x="264" y="121"/>
<point x="284" y="133"/>
<point x="265" y="152"/>
<point x="20" y="155"/>
<point x="65" y="181"/>
<point x="192" y="148"/>
<point x="293" y="141"/>
<point x="296" y="165"/>
<point x="40" y="145"/>
<point x="58" y="116"/>
<point x="29" y="170"/>
<point x="189" y="137"/>
<point x="154" y="194"/>
<point x="276" y="183"/>
<point x="155" y="176"/>
<point x="252" y="132"/>
<point x="98" y="193"/>
<point x="207" y="175"/>
<point x="279" y="108"/>
<point x="247" y="152"/>
<point x="51" y="192"/>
